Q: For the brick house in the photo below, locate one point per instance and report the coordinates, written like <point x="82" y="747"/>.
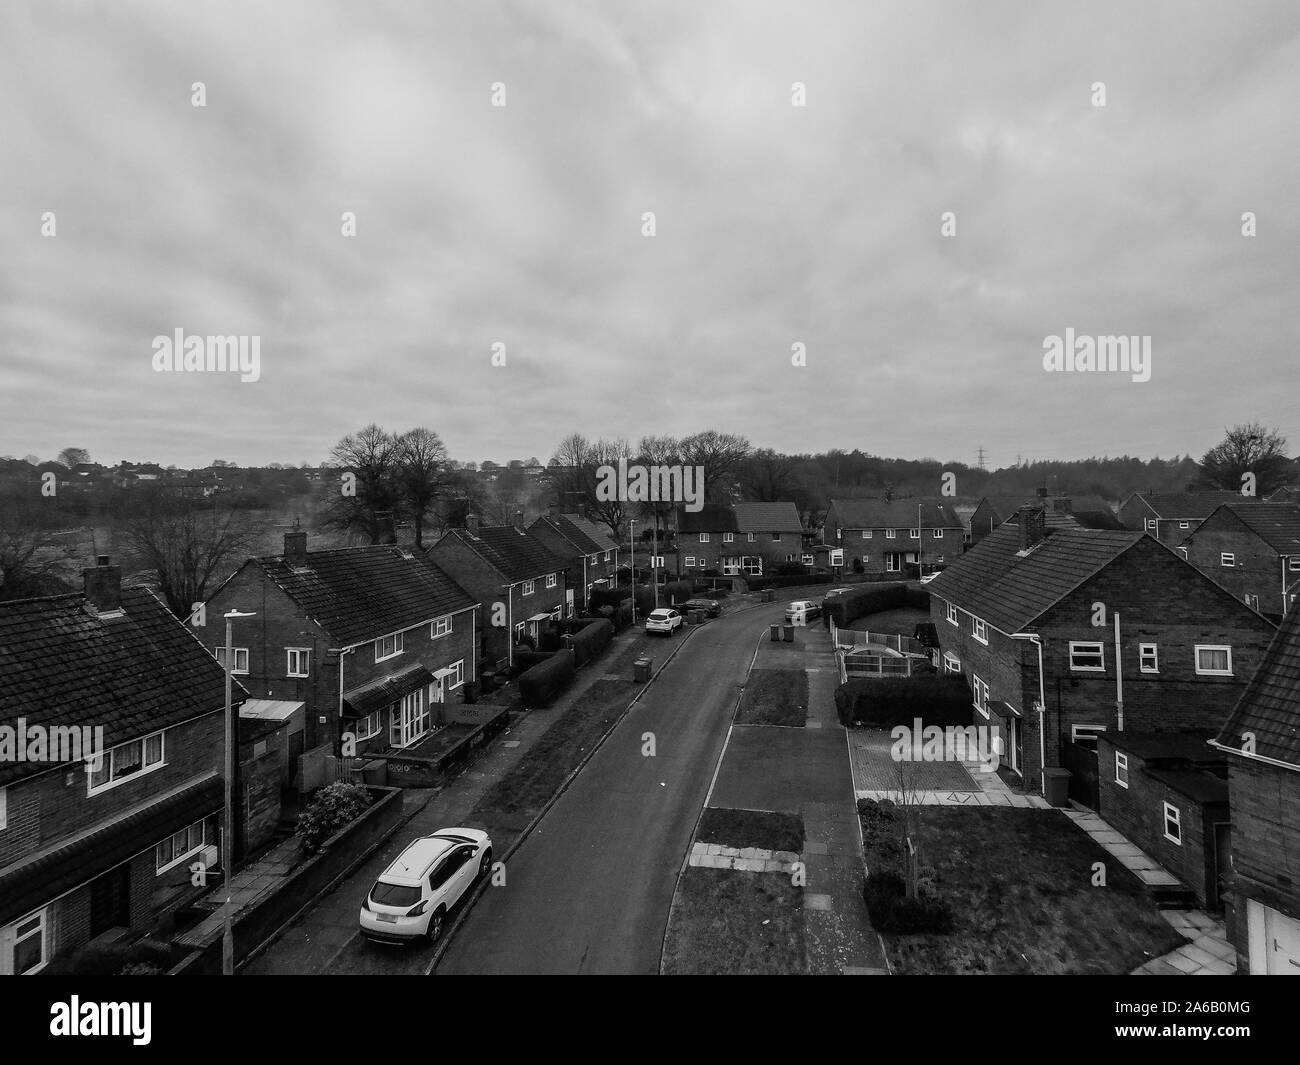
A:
<point x="1186" y="646"/>
<point x="1063" y="512"/>
<point x="740" y="539"/>
<point x="1261" y="742"/>
<point x="1167" y="792"/>
<point x="96" y="852"/>
<point x="882" y="536"/>
<point x="520" y="583"/>
<point x="374" y="643"/>
<point x="590" y="552"/>
<point x="1170" y="517"/>
<point x="1253" y="550"/>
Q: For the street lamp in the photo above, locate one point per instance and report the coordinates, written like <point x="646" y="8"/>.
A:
<point x="227" y="936"/>
<point x="631" y="562"/>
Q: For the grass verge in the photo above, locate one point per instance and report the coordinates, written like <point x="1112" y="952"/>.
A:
<point x="725" y="921"/>
<point x="774" y="697"/>
<point x="751" y="828"/>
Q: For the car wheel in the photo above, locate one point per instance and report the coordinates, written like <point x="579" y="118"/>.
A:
<point x="485" y="863"/>
<point x="435" y="926"/>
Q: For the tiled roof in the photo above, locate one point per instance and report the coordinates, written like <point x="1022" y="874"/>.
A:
<point x="1189" y="745"/>
<point x="586" y="537"/>
<point x="511" y="552"/>
<point x="779" y="517"/>
<point x="1277" y="524"/>
<point x="1269" y="708"/>
<point x="597" y="534"/>
<point x="711" y="518"/>
<point x="361" y="593"/>
<point x="993" y="582"/>
<point x="1186" y="505"/>
<point x="376" y="694"/>
<point x="132" y="674"/>
<point x="894" y="514"/>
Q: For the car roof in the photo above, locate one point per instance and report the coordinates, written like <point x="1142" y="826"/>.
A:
<point x="662" y="610"/>
<point x="411" y="865"/>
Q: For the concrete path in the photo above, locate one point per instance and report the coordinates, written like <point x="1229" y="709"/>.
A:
<point x="1208" y="954"/>
<point x="1129" y="855"/>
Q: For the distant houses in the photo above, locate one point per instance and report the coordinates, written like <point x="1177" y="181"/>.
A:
<point x="1253" y="550"/>
<point x="1170" y="517"/>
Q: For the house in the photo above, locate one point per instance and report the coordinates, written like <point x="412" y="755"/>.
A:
<point x="1170" y="517"/>
<point x="358" y="651"/>
<point x="590" y="553"/>
<point x="1032" y="617"/>
<point x="521" y="584"/>
<point x="1167" y="792"/>
<point x="1062" y="512"/>
<point x="1261" y="742"/>
<point x="1286" y="494"/>
<point x="97" y="848"/>
<point x="740" y="539"/>
<point x="1253" y="550"/>
<point x="882" y="536"/>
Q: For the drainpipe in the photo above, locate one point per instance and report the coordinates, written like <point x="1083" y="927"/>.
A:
<point x="1285" y="559"/>
<point x="1119" y="681"/>
<point x="510" y="624"/>
<point x="1036" y="640"/>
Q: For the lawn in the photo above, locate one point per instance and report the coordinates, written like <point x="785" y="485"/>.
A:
<point x="774" y="697"/>
<point x="1019" y="882"/>
<point x="725" y="922"/>
<point x="900" y="621"/>
<point x="751" y="828"/>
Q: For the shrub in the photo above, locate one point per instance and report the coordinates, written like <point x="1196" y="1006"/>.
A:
<point x="863" y="601"/>
<point x="938" y="699"/>
<point x="758" y="584"/>
<point x="333" y="807"/>
<point x="791" y="569"/>
<point x="541" y="684"/>
<point x="525" y="660"/>
<point x="891" y="910"/>
<point x="593" y="639"/>
<point x="606" y="596"/>
<point x="679" y="591"/>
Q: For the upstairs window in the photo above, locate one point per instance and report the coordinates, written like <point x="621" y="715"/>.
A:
<point x="388" y="646"/>
<point x="1121" y="769"/>
<point x="241" y="659"/>
<point x="299" y="661"/>
<point x="1087" y="657"/>
<point x="1213" y="660"/>
<point x="1227" y="558"/>
<point x="124" y="761"/>
<point x="979" y="630"/>
<point x="952" y="613"/>
<point x="728" y="538"/>
<point x="914" y="534"/>
<point x="891" y="534"/>
<point x="550" y="580"/>
<point x="441" y="627"/>
<point x="1148" y="658"/>
<point x="1173" y="824"/>
<point x="528" y="588"/>
<point x="704" y="538"/>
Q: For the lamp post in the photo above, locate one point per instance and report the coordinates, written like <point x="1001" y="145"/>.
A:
<point x="631" y="565"/>
<point x="228" y="832"/>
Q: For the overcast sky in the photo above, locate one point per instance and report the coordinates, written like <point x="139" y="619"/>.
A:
<point x="522" y="224"/>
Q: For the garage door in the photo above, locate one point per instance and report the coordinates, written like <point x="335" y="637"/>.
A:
<point x="1274" y="942"/>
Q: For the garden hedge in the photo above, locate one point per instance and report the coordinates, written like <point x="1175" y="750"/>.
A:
<point x="593" y="639"/>
<point x="758" y="584"/>
<point x="525" y="660"/>
<point x="678" y="592"/>
<point x="544" y="681"/>
<point x="940" y="699"/>
<point x="860" y="602"/>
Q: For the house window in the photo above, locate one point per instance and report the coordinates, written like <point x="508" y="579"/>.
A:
<point x="979" y="630"/>
<point x="892" y="563"/>
<point x="951" y="663"/>
<point x="550" y="580"/>
<point x="839" y="534"/>
<point x="1173" y="824"/>
<point x="441" y="627"/>
<point x="408" y="719"/>
<point x="704" y="538"/>
<point x="241" y="658"/>
<point x="1227" y="558"/>
<point x="728" y="538"/>
<point x="1213" y="660"/>
<point x="807" y="560"/>
<point x="1293" y="563"/>
<point x="519" y="632"/>
<point x="528" y="588"/>
<point x="952" y="613"/>
<point x="1184" y="525"/>
<point x="891" y="534"/>
<point x="3" y="813"/>
<point x="125" y="761"/>
<point x="388" y="646"/>
<point x="866" y="534"/>
<point x="299" y="664"/>
<point x="690" y="561"/>
<point x="455" y="675"/>
<point x="25" y="945"/>
<point x="368" y="726"/>
<point x="609" y="556"/>
<point x="1087" y="657"/>
<point x="915" y="534"/>
<point x="776" y="538"/>
<point x="179" y="846"/>
<point x="751" y="537"/>
<point x="1148" y="658"/>
<point x="753" y="565"/>
<point x="1121" y="769"/>
<point x="1086" y="735"/>
<point x="980" y="691"/>
<point x="936" y="534"/>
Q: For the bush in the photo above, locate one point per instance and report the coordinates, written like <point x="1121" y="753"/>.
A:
<point x="593" y="639"/>
<point x="333" y="807"/>
<point x="541" y="684"/>
<point x="939" y="699"/>
<point x="791" y="569"/>
<point x="525" y="660"/>
<point x="863" y="601"/>
<point x="679" y="591"/>
<point x="891" y="910"/>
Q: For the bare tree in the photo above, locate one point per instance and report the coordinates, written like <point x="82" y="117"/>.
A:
<point x="189" y="544"/>
<point x="720" y="455"/>
<point x="73" y="456"/>
<point x="32" y="560"/>
<point x="1245" y="449"/>
<point x="371" y="455"/>
<point x="908" y="803"/>
<point x="611" y="511"/>
<point x="421" y="474"/>
<point x="767" y="476"/>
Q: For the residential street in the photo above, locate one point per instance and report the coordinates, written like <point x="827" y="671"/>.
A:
<point x="589" y="891"/>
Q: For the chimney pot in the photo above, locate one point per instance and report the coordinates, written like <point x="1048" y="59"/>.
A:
<point x="102" y="586"/>
<point x="295" y="547"/>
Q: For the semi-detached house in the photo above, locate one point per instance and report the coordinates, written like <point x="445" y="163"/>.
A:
<point x="590" y="552"/>
<point x="1253" y="550"/>
<point x="741" y="539"/>
<point x="881" y="536"/>
<point x="1063" y="634"/>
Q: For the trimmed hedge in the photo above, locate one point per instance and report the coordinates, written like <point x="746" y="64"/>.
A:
<point x="593" y="639"/>
<point x="758" y="584"/>
<point x="863" y="601"/>
<point x="525" y="660"/>
<point x="679" y="591"/>
<point x="544" y="681"/>
<point x="940" y="699"/>
<point x="918" y="598"/>
<point x="606" y="596"/>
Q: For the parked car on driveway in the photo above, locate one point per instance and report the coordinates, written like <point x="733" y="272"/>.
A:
<point x="411" y="899"/>
<point x="665" y="620"/>
<point x="837" y="591"/>
<point x="709" y="606"/>
<point x="804" y="608"/>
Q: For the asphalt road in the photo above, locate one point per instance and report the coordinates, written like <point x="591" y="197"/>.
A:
<point x="589" y="890"/>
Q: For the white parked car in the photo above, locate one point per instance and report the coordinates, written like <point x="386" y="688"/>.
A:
<point x="837" y="591"/>
<point x="412" y="897"/>
<point x="929" y="577"/>
<point x="803" y="610"/>
<point x="663" y="620"/>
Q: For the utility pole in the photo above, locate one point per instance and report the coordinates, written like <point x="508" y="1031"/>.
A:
<point x="654" y="561"/>
<point x="631" y="565"/>
<point x="980" y="462"/>
<point x="228" y="833"/>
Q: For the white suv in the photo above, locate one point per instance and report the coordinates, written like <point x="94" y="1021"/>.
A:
<point x="663" y="620"/>
<point x="412" y="897"/>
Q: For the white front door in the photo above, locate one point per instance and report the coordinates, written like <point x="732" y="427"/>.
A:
<point x="1274" y="941"/>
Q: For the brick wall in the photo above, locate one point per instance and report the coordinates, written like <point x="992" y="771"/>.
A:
<point x="875" y="548"/>
<point x="1266" y="828"/>
<point x="1256" y="568"/>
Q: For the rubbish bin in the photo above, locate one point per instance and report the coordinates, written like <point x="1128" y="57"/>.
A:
<point x="1056" y="783"/>
<point x="642" y="669"/>
<point x="776" y="633"/>
<point x="769" y="596"/>
<point x="696" y="617"/>
<point x="789" y="633"/>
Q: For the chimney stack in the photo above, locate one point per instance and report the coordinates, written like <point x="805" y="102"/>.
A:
<point x="554" y="510"/>
<point x="471" y="523"/>
<point x="103" y="586"/>
<point x="1033" y="526"/>
<point x="295" y="547"/>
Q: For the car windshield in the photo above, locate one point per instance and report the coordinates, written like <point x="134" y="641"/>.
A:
<point x="394" y="894"/>
<point x="661" y="615"/>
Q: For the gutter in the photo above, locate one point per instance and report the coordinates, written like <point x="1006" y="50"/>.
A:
<point x="1253" y="757"/>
